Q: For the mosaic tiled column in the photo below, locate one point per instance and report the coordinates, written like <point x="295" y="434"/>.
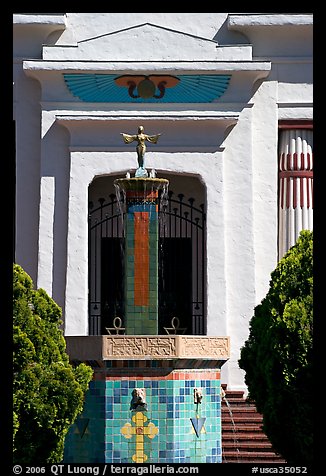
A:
<point x="141" y="254"/>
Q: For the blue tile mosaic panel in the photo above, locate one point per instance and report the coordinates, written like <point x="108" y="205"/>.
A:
<point x="170" y="428"/>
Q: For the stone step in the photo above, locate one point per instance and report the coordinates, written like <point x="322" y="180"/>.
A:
<point x="238" y="402"/>
<point x="251" y="461"/>
<point x="246" y="435"/>
<point x="239" y="409"/>
<point x="243" y="438"/>
<point x="250" y="445"/>
<point x="230" y="394"/>
<point x="243" y="428"/>
<point x="242" y="419"/>
<point x="252" y="456"/>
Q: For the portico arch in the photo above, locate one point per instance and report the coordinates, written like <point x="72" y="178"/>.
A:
<point x="181" y="250"/>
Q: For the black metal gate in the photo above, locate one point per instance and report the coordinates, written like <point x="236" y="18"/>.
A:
<point x="181" y="267"/>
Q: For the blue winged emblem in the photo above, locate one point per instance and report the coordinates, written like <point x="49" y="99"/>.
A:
<point x="185" y="88"/>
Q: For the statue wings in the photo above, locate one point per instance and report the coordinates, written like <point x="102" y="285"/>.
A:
<point x="153" y="139"/>
<point x="128" y="138"/>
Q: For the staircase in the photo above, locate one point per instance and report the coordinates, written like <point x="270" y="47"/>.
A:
<point x="243" y="440"/>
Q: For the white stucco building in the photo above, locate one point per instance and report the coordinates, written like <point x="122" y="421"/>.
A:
<point x="236" y="137"/>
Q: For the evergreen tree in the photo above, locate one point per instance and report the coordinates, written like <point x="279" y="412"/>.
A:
<point x="277" y="356"/>
<point x="48" y="392"/>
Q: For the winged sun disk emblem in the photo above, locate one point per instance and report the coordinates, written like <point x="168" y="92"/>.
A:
<point x="146" y="85"/>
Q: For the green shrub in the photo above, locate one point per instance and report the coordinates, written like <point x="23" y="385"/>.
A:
<point x="48" y="392"/>
<point x="277" y="356"/>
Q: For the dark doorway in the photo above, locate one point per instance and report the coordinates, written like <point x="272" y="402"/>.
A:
<point x="112" y="282"/>
<point x="175" y="284"/>
<point x="181" y="267"/>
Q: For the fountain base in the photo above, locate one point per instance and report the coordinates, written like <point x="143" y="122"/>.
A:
<point x="143" y="406"/>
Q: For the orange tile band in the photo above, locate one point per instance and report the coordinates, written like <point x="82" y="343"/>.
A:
<point x="143" y="194"/>
<point x="173" y="375"/>
<point x="141" y="259"/>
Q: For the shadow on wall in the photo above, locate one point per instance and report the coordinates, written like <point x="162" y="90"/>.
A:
<point x="226" y="37"/>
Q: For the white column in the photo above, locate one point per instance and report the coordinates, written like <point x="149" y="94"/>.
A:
<point x="215" y="247"/>
<point x="239" y="242"/>
<point x="45" y="255"/>
<point x="76" y="298"/>
<point x="295" y="186"/>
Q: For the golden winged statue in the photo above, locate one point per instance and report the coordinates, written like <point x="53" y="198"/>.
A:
<point x="141" y="138"/>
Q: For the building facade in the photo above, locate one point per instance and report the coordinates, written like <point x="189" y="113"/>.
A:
<point x="231" y="96"/>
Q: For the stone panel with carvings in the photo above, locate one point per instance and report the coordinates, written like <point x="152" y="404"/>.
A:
<point x="161" y="347"/>
<point x="139" y="347"/>
<point x="205" y="347"/>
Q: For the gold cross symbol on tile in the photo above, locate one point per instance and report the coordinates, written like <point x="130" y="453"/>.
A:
<point x="139" y="430"/>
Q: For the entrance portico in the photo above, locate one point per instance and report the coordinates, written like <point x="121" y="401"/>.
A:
<point x="214" y="128"/>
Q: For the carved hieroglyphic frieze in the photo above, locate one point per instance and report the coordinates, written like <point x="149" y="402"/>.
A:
<point x="161" y="347"/>
<point x="217" y="347"/>
<point x="140" y="347"/>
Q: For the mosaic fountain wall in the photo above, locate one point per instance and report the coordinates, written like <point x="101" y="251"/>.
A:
<point x="153" y="399"/>
<point x="172" y="429"/>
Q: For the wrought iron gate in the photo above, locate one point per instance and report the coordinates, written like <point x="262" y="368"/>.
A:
<point x="181" y="266"/>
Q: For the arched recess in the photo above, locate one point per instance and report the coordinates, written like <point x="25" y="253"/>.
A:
<point x="182" y="257"/>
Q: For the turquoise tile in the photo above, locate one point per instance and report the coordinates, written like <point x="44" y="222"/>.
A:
<point x="175" y="431"/>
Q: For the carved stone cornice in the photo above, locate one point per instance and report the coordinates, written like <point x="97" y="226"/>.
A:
<point x="131" y="347"/>
<point x="169" y="347"/>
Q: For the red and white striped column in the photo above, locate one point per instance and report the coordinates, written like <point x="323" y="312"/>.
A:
<point x="295" y="186"/>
